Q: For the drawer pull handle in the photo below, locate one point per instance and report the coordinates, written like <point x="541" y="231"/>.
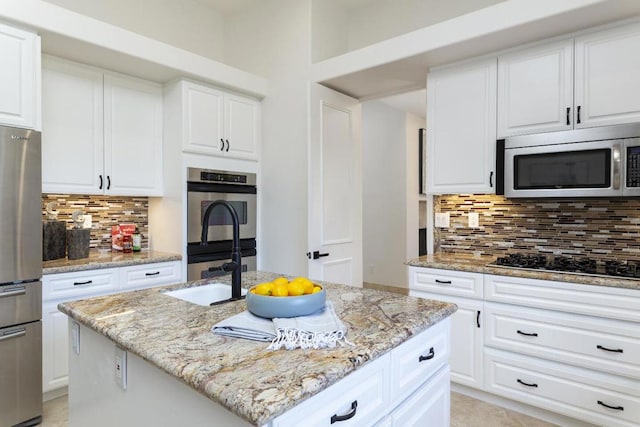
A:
<point x="617" y="350"/>
<point x="428" y="356"/>
<point x="617" y="408"/>
<point x="527" y="384"/>
<point x="444" y="282"/>
<point x="533" y="334"/>
<point x="337" y="418"/>
<point x="152" y="274"/>
<point x="13" y="292"/>
<point x="82" y="283"/>
<point x="13" y="334"/>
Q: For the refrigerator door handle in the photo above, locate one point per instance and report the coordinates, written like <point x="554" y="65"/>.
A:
<point x="13" y="292"/>
<point x="14" y="334"/>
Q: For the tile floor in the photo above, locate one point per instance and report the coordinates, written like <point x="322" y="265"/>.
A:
<point x="465" y="412"/>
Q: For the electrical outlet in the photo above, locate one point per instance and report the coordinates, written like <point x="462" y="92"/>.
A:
<point x="442" y="219"/>
<point x="120" y="365"/>
<point x="474" y="220"/>
<point x="75" y="337"/>
<point x="87" y="221"/>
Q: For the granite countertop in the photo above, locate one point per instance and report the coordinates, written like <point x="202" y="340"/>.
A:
<point x="98" y="260"/>
<point x="479" y="264"/>
<point x="242" y="375"/>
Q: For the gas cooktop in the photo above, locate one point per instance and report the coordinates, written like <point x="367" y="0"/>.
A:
<point x="581" y="265"/>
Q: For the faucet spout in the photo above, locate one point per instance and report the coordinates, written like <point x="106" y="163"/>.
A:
<point x="235" y="266"/>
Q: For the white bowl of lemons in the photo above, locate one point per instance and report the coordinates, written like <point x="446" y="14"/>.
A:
<point x="285" y="298"/>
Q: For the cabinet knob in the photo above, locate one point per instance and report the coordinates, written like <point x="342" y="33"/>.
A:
<point x="100" y="187"/>
<point x="221" y="144"/>
<point x="227" y="150"/>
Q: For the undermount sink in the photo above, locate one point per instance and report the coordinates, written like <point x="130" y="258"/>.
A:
<point x="204" y="295"/>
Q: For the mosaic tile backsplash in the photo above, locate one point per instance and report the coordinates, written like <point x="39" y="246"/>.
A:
<point x="599" y="228"/>
<point x="105" y="212"/>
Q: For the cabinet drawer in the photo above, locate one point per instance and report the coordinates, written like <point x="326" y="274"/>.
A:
<point x="364" y="393"/>
<point x="149" y="275"/>
<point x="576" y="392"/>
<point x="79" y="283"/>
<point x="414" y="361"/>
<point x="458" y="283"/>
<point x="607" y="345"/>
<point x="602" y="301"/>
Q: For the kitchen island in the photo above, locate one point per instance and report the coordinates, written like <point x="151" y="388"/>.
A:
<point x="178" y="372"/>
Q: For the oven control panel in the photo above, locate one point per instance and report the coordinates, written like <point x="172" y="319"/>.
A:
<point x="220" y="177"/>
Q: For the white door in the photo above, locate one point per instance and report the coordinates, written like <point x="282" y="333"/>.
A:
<point x="132" y="136"/>
<point x="241" y="126"/>
<point x="535" y="89"/>
<point x="72" y="128"/>
<point x="607" y="85"/>
<point x="335" y="187"/>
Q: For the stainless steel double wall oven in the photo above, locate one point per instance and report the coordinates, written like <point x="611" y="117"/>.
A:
<point x="204" y="187"/>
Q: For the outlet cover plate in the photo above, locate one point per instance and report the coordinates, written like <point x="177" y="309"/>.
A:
<point x="442" y="219"/>
<point x="120" y="366"/>
<point x="474" y="220"/>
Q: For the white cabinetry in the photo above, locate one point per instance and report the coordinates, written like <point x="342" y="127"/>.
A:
<point x="466" y="322"/>
<point x="19" y="77"/>
<point x="402" y="388"/>
<point x="102" y="132"/>
<point x="461" y="131"/>
<point x="576" y="83"/>
<point x="535" y="89"/>
<point x="63" y="287"/>
<point x="219" y="123"/>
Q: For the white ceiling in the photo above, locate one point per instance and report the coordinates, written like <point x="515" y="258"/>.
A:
<point x="232" y="6"/>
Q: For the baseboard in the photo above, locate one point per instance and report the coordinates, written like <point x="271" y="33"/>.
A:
<point x="54" y="394"/>
<point x="523" y="408"/>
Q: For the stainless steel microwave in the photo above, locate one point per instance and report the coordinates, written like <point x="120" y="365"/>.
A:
<point x="594" y="162"/>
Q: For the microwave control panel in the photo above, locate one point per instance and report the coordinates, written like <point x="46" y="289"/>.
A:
<point x="633" y="167"/>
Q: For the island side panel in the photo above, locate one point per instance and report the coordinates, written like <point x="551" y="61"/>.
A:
<point x="152" y="397"/>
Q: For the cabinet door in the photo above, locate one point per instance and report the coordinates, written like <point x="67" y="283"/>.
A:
<point x="55" y="353"/>
<point x="465" y="357"/>
<point x="429" y="406"/>
<point x="202" y="120"/>
<point x="535" y="90"/>
<point x="72" y="124"/>
<point x="461" y="136"/>
<point x="241" y="123"/>
<point x="606" y="79"/>
<point x="133" y="136"/>
<point x="18" y="77"/>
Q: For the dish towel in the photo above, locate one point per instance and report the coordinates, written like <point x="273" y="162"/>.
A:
<point x="322" y="329"/>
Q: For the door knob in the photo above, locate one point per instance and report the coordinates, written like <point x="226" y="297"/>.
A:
<point x="316" y="254"/>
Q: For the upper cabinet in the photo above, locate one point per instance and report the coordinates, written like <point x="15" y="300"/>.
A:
<point x="219" y="123"/>
<point x="535" y="89"/>
<point x="102" y="132"/>
<point x="461" y="128"/>
<point x="607" y="87"/>
<point x="19" y="77"/>
<point x="570" y="84"/>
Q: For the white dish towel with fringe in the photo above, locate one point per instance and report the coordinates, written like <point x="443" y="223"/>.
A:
<point x="322" y="329"/>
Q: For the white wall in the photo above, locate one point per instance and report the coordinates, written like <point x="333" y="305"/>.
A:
<point x="187" y="24"/>
<point x="329" y="29"/>
<point x="272" y="39"/>
<point x="382" y="19"/>
<point x="384" y="202"/>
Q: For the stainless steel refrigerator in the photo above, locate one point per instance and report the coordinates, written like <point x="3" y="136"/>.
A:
<point x="20" y="274"/>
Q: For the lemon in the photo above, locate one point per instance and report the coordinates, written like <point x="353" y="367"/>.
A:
<point x="306" y="283"/>
<point x="264" y="289"/>
<point x="316" y="289"/>
<point x="280" y="290"/>
<point x="295" y="288"/>
<point x="280" y="281"/>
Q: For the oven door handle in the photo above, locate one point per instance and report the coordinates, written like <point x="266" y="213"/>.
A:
<point x="616" y="166"/>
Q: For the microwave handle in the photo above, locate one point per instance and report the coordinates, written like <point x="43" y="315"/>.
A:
<point x="616" y="166"/>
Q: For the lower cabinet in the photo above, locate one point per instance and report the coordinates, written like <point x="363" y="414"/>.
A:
<point x="567" y="348"/>
<point x="63" y="287"/>
<point x="408" y="386"/>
